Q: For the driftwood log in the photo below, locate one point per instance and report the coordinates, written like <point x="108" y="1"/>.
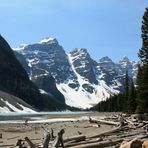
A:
<point x="101" y="144"/>
<point x="46" y="140"/>
<point x="19" y="143"/>
<point x="99" y="121"/>
<point x="87" y="141"/>
<point x="76" y="138"/>
<point x="106" y="132"/>
<point x="29" y="142"/>
<point x="52" y="134"/>
<point x="59" y="140"/>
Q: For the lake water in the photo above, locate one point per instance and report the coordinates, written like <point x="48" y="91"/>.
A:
<point x="23" y="116"/>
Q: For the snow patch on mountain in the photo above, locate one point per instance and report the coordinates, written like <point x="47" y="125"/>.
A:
<point x="47" y="40"/>
<point x="11" y="108"/>
<point x="21" y="47"/>
<point x="43" y="91"/>
<point x="82" y="99"/>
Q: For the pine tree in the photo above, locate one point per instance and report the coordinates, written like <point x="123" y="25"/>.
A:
<point x="121" y="102"/>
<point x="142" y="77"/>
<point x="131" y="104"/>
<point x="126" y="92"/>
<point x="143" y="52"/>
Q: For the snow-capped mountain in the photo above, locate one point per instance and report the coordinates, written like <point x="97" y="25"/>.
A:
<point x="83" y="81"/>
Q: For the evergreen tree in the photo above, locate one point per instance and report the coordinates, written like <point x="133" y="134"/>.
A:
<point x="121" y="102"/>
<point x="139" y="90"/>
<point x="126" y="92"/>
<point x="142" y="77"/>
<point x="131" y="104"/>
<point x="143" y="52"/>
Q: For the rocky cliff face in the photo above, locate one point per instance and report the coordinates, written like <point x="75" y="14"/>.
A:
<point x="82" y="81"/>
<point x="47" y="59"/>
<point x="15" y="81"/>
<point x="14" y="78"/>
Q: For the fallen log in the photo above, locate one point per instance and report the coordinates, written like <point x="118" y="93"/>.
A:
<point x="130" y="134"/>
<point x="140" y="125"/>
<point x="29" y="142"/>
<point x="19" y="143"/>
<point x="145" y="126"/>
<point x="74" y="143"/>
<point x="146" y="122"/>
<point x="93" y="125"/>
<point x="142" y="136"/>
<point x="138" y="137"/>
<point x="134" y="124"/>
<point x="98" y="121"/>
<point x="130" y="122"/>
<point x="9" y="145"/>
<point x="106" y="132"/>
<point x="76" y="138"/>
<point x="101" y="144"/>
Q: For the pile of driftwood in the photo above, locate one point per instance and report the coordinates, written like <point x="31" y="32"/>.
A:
<point x="127" y="132"/>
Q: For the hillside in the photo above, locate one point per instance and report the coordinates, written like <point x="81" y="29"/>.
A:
<point x="15" y="81"/>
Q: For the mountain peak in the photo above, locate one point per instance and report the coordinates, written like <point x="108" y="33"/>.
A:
<point x="48" y="40"/>
<point x="105" y="59"/>
<point x="79" y="52"/>
<point x="125" y="59"/>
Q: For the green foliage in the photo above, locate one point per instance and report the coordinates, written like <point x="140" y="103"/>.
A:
<point x="143" y="52"/>
<point x="131" y="103"/>
<point x="126" y="93"/>
<point x="111" y="104"/>
<point x="142" y="77"/>
<point x="125" y="102"/>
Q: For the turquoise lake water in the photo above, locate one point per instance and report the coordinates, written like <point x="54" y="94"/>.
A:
<point x="20" y="116"/>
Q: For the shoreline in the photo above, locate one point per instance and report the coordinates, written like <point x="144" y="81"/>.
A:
<point x="11" y="132"/>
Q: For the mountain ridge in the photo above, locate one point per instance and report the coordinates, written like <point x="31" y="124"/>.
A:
<point x="82" y="80"/>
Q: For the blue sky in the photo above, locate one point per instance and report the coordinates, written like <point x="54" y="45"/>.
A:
<point x="105" y="27"/>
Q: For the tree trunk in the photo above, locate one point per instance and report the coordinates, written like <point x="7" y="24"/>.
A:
<point x="75" y="138"/>
<point x="46" y="140"/>
<point x="29" y="142"/>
